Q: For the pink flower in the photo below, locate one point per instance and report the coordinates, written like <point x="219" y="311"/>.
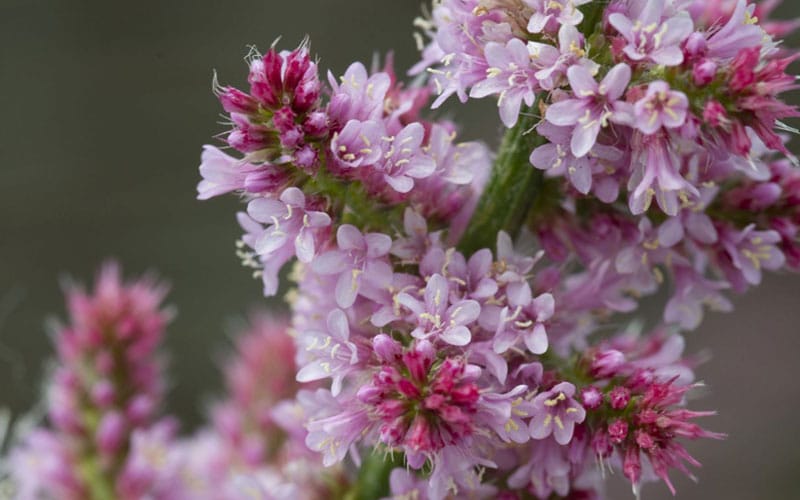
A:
<point x="511" y="76"/>
<point x="329" y="353"/>
<point x="404" y="159"/>
<point x="290" y="221"/>
<point x="650" y="37"/>
<point x="550" y="14"/>
<point x="360" y="259"/>
<point x="358" y="96"/>
<point x="223" y="174"/>
<point x="659" y="107"/>
<point x="552" y="62"/>
<point x="592" y="106"/>
<point x="437" y="316"/>
<point x="556" y="413"/>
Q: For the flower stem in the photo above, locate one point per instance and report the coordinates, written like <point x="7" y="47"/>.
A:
<point x="513" y="187"/>
<point x="373" y="477"/>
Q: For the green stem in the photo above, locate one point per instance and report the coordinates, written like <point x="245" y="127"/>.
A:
<point x="373" y="476"/>
<point x="513" y="188"/>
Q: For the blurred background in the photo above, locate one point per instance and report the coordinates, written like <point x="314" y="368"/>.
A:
<point x="104" y="111"/>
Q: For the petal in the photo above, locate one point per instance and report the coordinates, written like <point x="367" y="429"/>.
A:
<point x="347" y="288"/>
<point x="330" y="262"/>
<point x="464" y="312"/>
<point x="378" y="245"/>
<point x="504" y="340"/>
<point x="266" y="209"/>
<point x="584" y="137"/>
<point x="670" y="233"/>
<point x="616" y="81"/>
<point x="421" y="167"/>
<point x="437" y="294"/>
<point x="457" y="336"/>
<point x="563" y="432"/>
<point x="541" y="425"/>
<point x="349" y="238"/>
<point x="582" y="81"/>
<point x="580" y="174"/>
<point x="400" y="183"/>
<point x="566" y="112"/>
<point x="545" y="306"/>
<point x="678" y="29"/>
<point x="544" y="157"/>
<point x="293" y="196"/>
<point x="311" y="372"/>
<point x="668" y="56"/>
<point x="536" y="339"/>
<point x="621" y="24"/>
<point x="270" y="241"/>
<point x="510" y="104"/>
<point x="304" y="246"/>
<point x="338" y="326"/>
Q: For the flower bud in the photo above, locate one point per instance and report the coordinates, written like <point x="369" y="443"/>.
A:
<point x="111" y="433"/>
<point x="607" y="363"/>
<point x="619" y="397"/>
<point x="704" y="72"/>
<point x="696" y="45"/>
<point x="591" y="397"/>
<point x="618" y="431"/>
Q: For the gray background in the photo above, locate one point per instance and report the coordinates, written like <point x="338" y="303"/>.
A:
<point x="103" y="110"/>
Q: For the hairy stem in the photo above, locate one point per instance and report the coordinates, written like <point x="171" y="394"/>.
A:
<point x="513" y="188"/>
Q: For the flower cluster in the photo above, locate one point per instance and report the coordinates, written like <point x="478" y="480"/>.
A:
<point x="105" y="391"/>
<point x="648" y="97"/>
<point x="365" y="151"/>
<point x="480" y="367"/>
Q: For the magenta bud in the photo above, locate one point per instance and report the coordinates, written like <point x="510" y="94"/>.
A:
<point x="645" y="440"/>
<point x="248" y="139"/>
<point x="297" y="63"/>
<point x="740" y="140"/>
<point x="407" y="389"/>
<point x="696" y="45"/>
<point x="235" y="101"/>
<point x="714" y="114"/>
<point x="392" y="433"/>
<point x="387" y="349"/>
<point x="111" y="433"/>
<point x="591" y="397"/>
<point x="140" y="409"/>
<point x="632" y="465"/>
<point x="607" y="363"/>
<point x="704" y="72"/>
<point x="284" y="120"/>
<point x="419" y="435"/>
<point x="619" y="397"/>
<point x="265" y="95"/>
<point x="618" y="431"/>
<point x="369" y="394"/>
<point x="306" y="158"/>
<point x="103" y="394"/>
<point x="292" y="138"/>
<point x="601" y="445"/>
<point x="391" y="408"/>
<point x="316" y="124"/>
<point x="306" y="95"/>
<point x="268" y="179"/>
